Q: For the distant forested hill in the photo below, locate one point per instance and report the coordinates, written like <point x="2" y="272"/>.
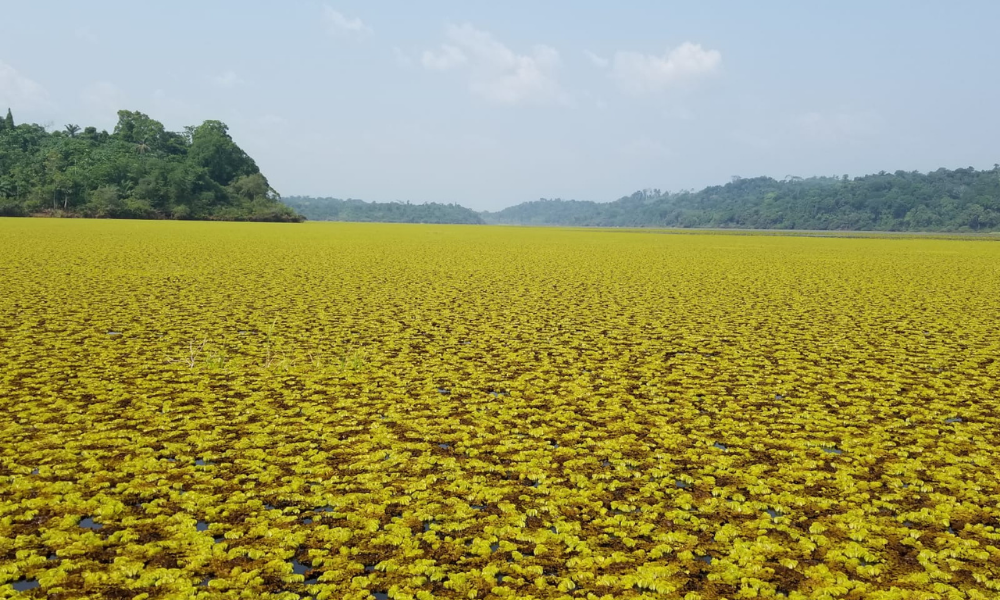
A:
<point x="140" y="171"/>
<point x="942" y="200"/>
<point x="333" y="209"/>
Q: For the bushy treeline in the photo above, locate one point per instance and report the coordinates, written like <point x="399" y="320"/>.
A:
<point x="140" y="170"/>
<point x="334" y="209"/>
<point x="942" y="200"/>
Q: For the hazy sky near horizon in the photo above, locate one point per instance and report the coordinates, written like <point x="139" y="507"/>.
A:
<point x="491" y="104"/>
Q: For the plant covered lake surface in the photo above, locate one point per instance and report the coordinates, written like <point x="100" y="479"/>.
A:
<point x="213" y="410"/>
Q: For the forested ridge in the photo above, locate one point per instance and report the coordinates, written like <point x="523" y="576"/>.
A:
<point x="335" y="209"/>
<point x="140" y="170"/>
<point x="942" y="200"/>
<point x="959" y="200"/>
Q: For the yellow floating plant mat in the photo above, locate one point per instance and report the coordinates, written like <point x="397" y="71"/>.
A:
<point x="218" y="410"/>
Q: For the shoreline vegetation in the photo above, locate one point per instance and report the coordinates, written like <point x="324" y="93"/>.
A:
<point x="138" y="171"/>
<point x="142" y="171"/>
<point x="360" y="211"/>
<point x="941" y="201"/>
<point x="944" y="201"/>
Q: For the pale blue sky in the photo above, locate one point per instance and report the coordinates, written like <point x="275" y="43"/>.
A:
<point x="493" y="103"/>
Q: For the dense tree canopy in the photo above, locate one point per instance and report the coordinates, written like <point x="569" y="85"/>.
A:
<point x="140" y="170"/>
<point x="333" y="209"/>
<point x="942" y="200"/>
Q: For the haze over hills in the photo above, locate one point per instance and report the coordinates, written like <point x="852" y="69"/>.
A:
<point x="335" y="209"/>
<point x="942" y="200"/>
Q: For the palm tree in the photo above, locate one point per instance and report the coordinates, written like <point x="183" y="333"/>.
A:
<point x="72" y="130"/>
<point x="141" y="147"/>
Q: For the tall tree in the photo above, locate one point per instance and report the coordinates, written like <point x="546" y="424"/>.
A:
<point x="137" y="128"/>
<point x="213" y="149"/>
<point x="71" y="130"/>
<point x="9" y="121"/>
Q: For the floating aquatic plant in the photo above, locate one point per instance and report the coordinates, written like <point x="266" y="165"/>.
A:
<point x="640" y="414"/>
